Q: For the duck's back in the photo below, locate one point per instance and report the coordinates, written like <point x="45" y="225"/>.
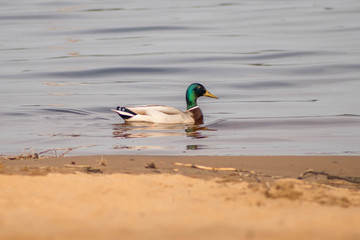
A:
<point x="161" y="108"/>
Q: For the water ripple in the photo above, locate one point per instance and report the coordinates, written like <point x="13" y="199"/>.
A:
<point x="133" y="29"/>
<point x="66" y="110"/>
<point x="31" y="17"/>
<point x="113" y="71"/>
<point x="301" y="123"/>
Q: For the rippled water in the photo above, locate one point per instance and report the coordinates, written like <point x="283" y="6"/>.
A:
<point x="287" y="74"/>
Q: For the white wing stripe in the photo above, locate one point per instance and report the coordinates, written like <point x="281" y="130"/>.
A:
<point x="123" y="113"/>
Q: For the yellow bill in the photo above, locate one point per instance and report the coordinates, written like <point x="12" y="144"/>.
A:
<point x="208" y="94"/>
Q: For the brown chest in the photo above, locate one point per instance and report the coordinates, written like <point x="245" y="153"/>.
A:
<point x="197" y="115"/>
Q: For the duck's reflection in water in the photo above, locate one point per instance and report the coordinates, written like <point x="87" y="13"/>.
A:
<point x="147" y="130"/>
<point x="196" y="131"/>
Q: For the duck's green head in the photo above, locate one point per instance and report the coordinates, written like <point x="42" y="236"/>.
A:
<point x="194" y="91"/>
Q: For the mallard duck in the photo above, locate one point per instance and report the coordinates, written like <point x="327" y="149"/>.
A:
<point x="167" y="114"/>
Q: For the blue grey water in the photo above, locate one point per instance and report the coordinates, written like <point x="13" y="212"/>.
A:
<point x="287" y="74"/>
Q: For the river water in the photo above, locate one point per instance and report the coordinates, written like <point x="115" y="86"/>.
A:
<point x="287" y="74"/>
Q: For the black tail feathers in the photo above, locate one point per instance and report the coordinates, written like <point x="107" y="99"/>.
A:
<point x="125" y="113"/>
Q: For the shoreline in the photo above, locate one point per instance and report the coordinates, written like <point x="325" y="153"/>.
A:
<point x="261" y="167"/>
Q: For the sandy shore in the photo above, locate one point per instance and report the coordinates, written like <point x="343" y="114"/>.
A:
<point x="164" y="197"/>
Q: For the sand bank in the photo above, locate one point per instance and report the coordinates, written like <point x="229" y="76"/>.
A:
<point x="137" y="197"/>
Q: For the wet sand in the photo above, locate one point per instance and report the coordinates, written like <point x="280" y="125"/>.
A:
<point x="174" y="197"/>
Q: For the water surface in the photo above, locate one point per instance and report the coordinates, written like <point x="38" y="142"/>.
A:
<point x="287" y="74"/>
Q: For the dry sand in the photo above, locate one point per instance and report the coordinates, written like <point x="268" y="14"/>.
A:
<point x="160" y="197"/>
